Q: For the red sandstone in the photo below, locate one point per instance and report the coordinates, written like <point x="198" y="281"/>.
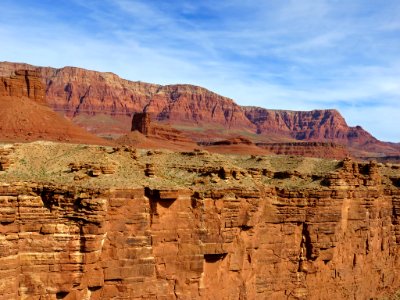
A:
<point x="26" y="117"/>
<point x="337" y="240"/>
<point x="89" y="96"/>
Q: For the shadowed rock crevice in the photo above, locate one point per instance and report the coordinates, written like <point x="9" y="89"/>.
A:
<point x="306" y="244"/>
<point x="213" y="258"/>
<point x="395" y="181"/>
<point x="61" y="295"/>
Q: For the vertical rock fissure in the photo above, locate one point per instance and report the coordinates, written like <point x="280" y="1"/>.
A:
<point x="152" y="204"/>
<point x="305" y="247"/>
<point x="28" y="88"/>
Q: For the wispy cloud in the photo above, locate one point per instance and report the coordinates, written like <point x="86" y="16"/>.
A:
<point x="291" y="54"/>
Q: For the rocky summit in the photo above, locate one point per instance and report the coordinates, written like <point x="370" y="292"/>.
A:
<point x="100" y="222"/>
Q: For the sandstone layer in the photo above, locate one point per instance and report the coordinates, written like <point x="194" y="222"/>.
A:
<point x="103" y="222"/>
<point x="25" y="115"/>
<point x="308" y="149"/>
<point x="103" y="103"/>
<point x="313" y="125"/>
<point x="24" y="83"/>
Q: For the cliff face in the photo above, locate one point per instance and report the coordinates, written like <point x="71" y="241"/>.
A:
<point x="103" y="103"/>
<point x="192" y="104"/>
<point x="25" y="115"/>
<point x="309" y="149"/>
<point x="74" y="90"/>
<point x="316" y="125"/>
<point x="24" y="83"/>
<point x="255" y="231"/>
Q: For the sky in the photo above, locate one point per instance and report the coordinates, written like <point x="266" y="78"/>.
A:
<point x="277" y="54"/>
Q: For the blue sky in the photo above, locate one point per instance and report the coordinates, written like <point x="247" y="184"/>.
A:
<point x="286" y="54"/>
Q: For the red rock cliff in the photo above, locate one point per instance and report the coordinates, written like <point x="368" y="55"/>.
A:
<point x="25" y="115"/>
<point x="25" y="83"/>
<point x="77" y="92"/>
<point x="196" y="105"/>
<point x="266" y="239"/>
<point x="316" y="125"/>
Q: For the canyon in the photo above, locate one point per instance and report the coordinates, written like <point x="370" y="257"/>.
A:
<point x="101" y="222"/>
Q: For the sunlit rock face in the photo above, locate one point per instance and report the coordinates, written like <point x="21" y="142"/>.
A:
<point x="23" y="83"/>
<point x="103" y="103"/>
<point x="26" y="116"/>
<point x="338" y="239"/>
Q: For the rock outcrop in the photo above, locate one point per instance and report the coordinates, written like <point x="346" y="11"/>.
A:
<point x="239" y="140"/>
<point x="197" y="106"/>
<point x="5" y="160"/>
<point x="309" y="149"/>
<point x="234" y="145"/>
<point x="316" y="125"/>
<point x="25" y="115"/>
<point x="25" y="83"/>
<point x="261" y="228"/>
<point x="243" y="145"/>
<point x="74" y="90"/>
<point x="141" y="123"/>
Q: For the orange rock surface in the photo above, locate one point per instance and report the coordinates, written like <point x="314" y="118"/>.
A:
<point x="309" y="149"/>
<point x="25" y="115"/>
<point x="263" y="228"/>
<point x="25" y="83"/>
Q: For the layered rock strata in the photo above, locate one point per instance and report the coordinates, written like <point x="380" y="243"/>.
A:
<point x="314" y="125"/>
<point x="310" y="149"/>
<point x="25" y="115"/>
<point x="104" y="103"/>
<point x="141" y="123"/>
<point x="5" y="160"/>
<point x="255" y="232"/>
<point x="24" y="83"/>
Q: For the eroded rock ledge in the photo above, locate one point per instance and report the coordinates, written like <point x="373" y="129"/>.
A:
<point x="337" y="239"/>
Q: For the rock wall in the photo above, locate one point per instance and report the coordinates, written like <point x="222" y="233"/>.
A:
<point x="25" y="83"/>
<point x="104" y="103"/>
<point x="25" y="115"/>
<point x="141" y="122"/>
<point x="316" y="125"/>
<point x="309" y="149"/>
<point x="338" y="241"/>
<point x="197" y="106"/>
<point x="74" y="90"/>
